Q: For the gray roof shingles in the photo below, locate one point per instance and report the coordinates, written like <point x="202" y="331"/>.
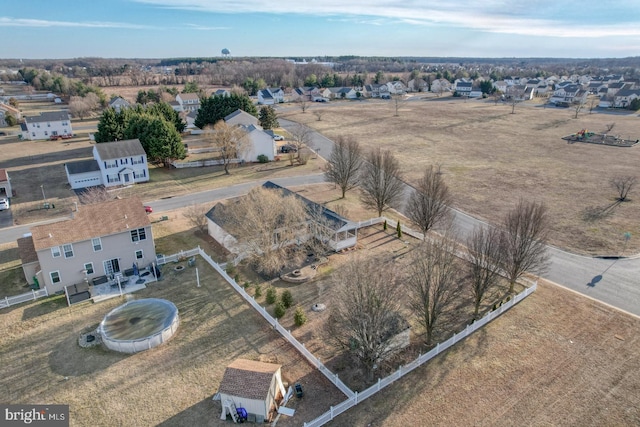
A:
<point x="120" y="149"/>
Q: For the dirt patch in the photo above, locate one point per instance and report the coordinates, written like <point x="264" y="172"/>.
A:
<point x="491" y="157"/>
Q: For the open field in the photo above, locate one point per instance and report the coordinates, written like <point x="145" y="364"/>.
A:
<point x="491" y="157"/>
<point x="557" y="358"/>
<point x="170" y="385"/>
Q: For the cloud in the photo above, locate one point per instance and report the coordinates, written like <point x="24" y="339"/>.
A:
<point x="42" y="23"/>
<point x="205" y="28"/>
<point x="550" y="18"/>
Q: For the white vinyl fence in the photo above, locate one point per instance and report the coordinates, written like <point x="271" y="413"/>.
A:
<point x="353" y="398"/>
<point x="28" y="296"/>
<point x="165" y="259"/>
<point x="202" y="163"/>
<point x="334" y="411"/>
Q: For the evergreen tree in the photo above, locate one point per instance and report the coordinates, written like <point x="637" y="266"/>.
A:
<point x="109" y="127"/>
<point x="159" y="138"/>
<point x="268" y="117"/>
<point x="217" y="107"/>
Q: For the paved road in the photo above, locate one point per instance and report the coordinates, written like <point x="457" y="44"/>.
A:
<point x="615" y="282"/>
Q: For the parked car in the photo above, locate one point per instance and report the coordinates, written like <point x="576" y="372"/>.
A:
<point x="148" y="209"/>
<point x="4" y="204"/>
<point x="277" y="137"/>
<point x="288" y="148"/>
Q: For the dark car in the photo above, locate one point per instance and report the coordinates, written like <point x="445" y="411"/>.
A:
<point x="287" y="148"/>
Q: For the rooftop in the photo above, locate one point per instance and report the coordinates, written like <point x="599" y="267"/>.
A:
<point x="118" y="149"/>
<point x="96" y="220"/>
<point x="248" y="379"/>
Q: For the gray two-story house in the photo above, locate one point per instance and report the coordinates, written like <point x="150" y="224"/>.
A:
<point x="99" y="240"/>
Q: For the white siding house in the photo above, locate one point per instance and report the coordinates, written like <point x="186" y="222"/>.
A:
<point x="188" y="101"/>
<point x="46" y="125"/>
<point x="260" y="142"/>
<point x="121" y="162"/>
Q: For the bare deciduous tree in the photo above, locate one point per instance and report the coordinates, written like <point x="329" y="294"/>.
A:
<point x="318" y="114"/>
<point x="92" y="195"/>
<point x="524" y="240"/>
<point x="303" y="105"/>
<point x="433" y="280"/>
<point x="195" y="214"/>
<point x="593" y="104"/>
<point x="364" y="313"/>
<point x="301" y="136"/>
<point x="78" y="107"/>
<point x="623" y="185"/>
<point x="578" y="106"/>
<point x="381" y="180"/>
<point x="428" y="203"/>
<point x="485" y="258"/>
<point x="344" y="164"/>
<point x="270" y="226"/>
<point x="230" y="141"/>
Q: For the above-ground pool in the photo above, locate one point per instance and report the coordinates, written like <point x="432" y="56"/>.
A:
<point x="139" y="325"/>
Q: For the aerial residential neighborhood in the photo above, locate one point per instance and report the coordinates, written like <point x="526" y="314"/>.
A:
<point x="311" y="215"/>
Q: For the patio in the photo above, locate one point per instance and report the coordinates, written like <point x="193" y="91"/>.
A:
<point x="121" y="285"/>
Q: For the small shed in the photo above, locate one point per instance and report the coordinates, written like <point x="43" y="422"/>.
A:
<point x="255" y="386"/>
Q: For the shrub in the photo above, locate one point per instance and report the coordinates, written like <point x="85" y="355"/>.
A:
<point x="236" y="277"/>
<point x="258" y="292"/>
<point x="384" y="226"/>
<point x="262" y="158"/>
<point x="280" y="310"/>
<point x="231" y="269"/>
<point x="272" y="295"/>
<point x="299" y="317"/>
<point x="399" y="230"/>
<point x="287" y="298"/>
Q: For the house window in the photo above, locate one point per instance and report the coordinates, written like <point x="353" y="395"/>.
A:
<point x="55" y="251"/>
<point x="139" y="234"/>
<point x="97" y="244"/>
<point x="46" y="133"/>
<point x="139" y="254"/>
<point x="33" y="134"/>
<point x="140" y="174"/>
<point x="55" y="277"/>
<point x="88" y="267"/>
<point x="68" y="250"/>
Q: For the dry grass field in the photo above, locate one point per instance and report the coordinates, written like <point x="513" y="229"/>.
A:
<point x="491" y="157"/>
<point x="556" y="358"/>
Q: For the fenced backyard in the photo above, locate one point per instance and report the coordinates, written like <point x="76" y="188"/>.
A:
<point x="354" y="397"/>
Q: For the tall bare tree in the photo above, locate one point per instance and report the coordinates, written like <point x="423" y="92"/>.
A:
<point x="428" y="203"/>
<point x="433" y="281"/>
<point x="78" y="107"/>
<point x="301" y="136"/>
<point x="270" y="227"/>
<point x="344" y="164"/>
<point x="92" y="195"/>
<point x="623" y="185"/>
<point x="195" y="215"/>
<point x="231" y="142"/>
<point x="526" y="228"/>
<point x="364" y="311"/>
<point x="381" y="180"/>
<point x="485" y="256"/>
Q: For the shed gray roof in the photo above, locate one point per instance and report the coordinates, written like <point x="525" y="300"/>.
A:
<point x="119" y="149"/>
<point x="248" y="379"/>
<point x="48" y="116"/>
<point x="82" y="166"/>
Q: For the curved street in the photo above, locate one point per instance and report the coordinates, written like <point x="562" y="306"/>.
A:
<point x="612" y="281"/>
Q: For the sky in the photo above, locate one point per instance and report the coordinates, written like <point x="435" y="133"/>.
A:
<point x="43" y="29"/>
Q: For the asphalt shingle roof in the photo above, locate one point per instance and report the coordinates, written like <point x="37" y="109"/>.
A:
<point x="82" y="166"/>
<point x="248" y="379"/>
<point x="48" y="116"/>
<point x="120" y="149"/>
<point x="97" y="220"/>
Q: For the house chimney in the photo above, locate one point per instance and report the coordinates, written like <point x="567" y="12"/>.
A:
<point x="50" y="235"/>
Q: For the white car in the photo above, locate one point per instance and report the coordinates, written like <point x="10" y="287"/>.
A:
<point x="277" y="137"/>
<point x="4" y="204"/>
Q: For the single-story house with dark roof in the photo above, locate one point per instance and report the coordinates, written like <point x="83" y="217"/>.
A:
<point x="336" y="232"/>
<point x="114" y="163"/>
<point x="5" y="184"/>
<point x="255" y="386"/>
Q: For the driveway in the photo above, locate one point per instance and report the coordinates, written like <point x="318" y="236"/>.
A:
<point x="6" y="218"/>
